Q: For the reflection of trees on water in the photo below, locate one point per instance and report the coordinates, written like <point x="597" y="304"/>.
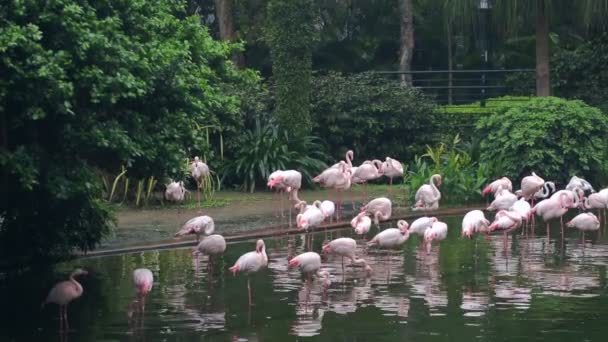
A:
<point x="426" y="281"/>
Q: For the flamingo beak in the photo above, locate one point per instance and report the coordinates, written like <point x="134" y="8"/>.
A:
<point x="294" y="262"/>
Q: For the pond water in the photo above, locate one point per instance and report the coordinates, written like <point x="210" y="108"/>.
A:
<point x="535" y="288"/>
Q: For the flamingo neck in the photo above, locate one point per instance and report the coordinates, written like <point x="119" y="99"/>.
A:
<point x="434" y="187"/>
<point x="348" y="158"/>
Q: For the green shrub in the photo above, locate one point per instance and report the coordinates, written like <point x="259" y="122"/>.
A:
<point x="463" y="178"/>
<point x="374" y="116"/>
<point x="266" y="149"/>
<point x="554" y="137"/>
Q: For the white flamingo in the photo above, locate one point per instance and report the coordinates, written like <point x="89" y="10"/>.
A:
<point x="279" y="187"/>
<point x="584" y="222"/>
<point x="361" y="223"/>
<point x="212" y="246"/>
<point x="369" y="170"/>
<point x="251" y="262"/>
<point x="474" y="222"/>
<point x="62" y="294"/>
<point x="392" y="168"/>
<point x="575" y="197"/>
<point x="309" y="263"/>
<point x="437" y="232"/>
<point x="504" y="183"/>
<point x="577" y="182"/>
<point x="506" y="221"/>
<point x="346" y="248"/>
<point x="380" y="208"/>
<point x="552" y="208"/>
<point x="530" y="185"/>
<point x="391" y="237"/>
<point x="428" y="195"/>
<point x="504" y="200"/>
<point x="328" y="208"/>
<point x="598" y="200"/>
<point x="420" y="225"/>
<point x="199" y="225"/>
<point x="199" y="170"/>
<point x="175" y="192"/>
<point x="338" y="179"/>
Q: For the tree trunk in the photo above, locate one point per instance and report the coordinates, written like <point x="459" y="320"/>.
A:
<point x="543" y="86"/>
<point x="223" y="10"/>
<point x="450" y="61"/>
<point x="407" y="39"/>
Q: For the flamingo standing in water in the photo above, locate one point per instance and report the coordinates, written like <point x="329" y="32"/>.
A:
<point x="361" y="223"/>
<point x="552" y="208"/>
<point x="577" y="182"/>
<point x="575" y="197"/>
<point x="380" y="208"/>
<point x="530" y="185"/>
<point x="392" y="168"/>
<point x="598" y="200"/>
<point x="492" y="188"/>
<point x="328" y="208"/>
<point x="438" y="232"/>
<point x="251" y="262"/>
<point x="523" y="208"/>
<point x="309" y="263"/>
<point x="280" y="190"/>
<point x="346" y="248"/>
<point x="506" y="221"/>
<point x="143" y="280"/>
<point x="369" y="170"/>
<point x="198" y="226"/>
<point x="421" y="224"/>
<point x="199" y="170"/>
<point x="288" y="180"/>
<point x="504" y="200"/>
<point x="474" y="222"/>
<point x="62" y="294"/>
<point x="337" y="178"/>
<point x="584" y="222"/>
<point x="391" y="237"/>
<point x="212" y="245"/>
<point x="428" y="195"/>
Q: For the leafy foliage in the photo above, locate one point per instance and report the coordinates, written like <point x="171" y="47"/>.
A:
<point x="374" y="116"/>
<point x="94" y="85"/>
<point x="554" y="137"/>
<point x="290" y="33"/>
<point x="463" y="178"/>
<point x="266" y="149"/>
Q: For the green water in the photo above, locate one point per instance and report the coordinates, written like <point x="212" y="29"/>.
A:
<point x="535" y="289"/>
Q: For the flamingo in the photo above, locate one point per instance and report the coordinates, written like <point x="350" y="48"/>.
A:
<point x="367" y="171"/>
<point x="272" y="183"/>
<point x="506" y="221"/>
<point x="346" y="248"/>
<point x="143" y="280"/>
<point x="350" y="155"/>
<point x="311" y="217"/>
<point x="576" y="182"/>
<point x="504" y="183"/>
<point x="504" y="200"/>
<point x="380" y="208"/>
<point x="428" y="195"/>
<point x="551" y="208"/>
<point x="62" y="294"/>
<point x="584" y="222"/>
<point x="391" y="237"/>
<point x="420" y="225"/>
<point x="328" y="208"/>
<point x="212" y="245"/>
<point x="198" y="225"/>
<point x="438" y="232"/>
<point x="290" y="180"/>
<point x="545" y="191"/>
<point x="530" y="185"/>
<point x="361" y="223"/>
<point x="339" y="179"/>
<point x="251" y="262"/>
<point x="175" y="191"/>
<point x="199" y="170"/>
<point x="309" y="263"/>
<point x="474" y="222"/>
<point x="598" y="200"/>
<point x="523" y="208"/>
<point x="575" y="197"/>
<point x="392" y="168"/>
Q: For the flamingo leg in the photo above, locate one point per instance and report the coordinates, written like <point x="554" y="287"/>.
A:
<point x="289" y="216"/>
<point x="198" y="193"/>
<point x="60" y="318"/>
<point x="65" y="319"/>
<point x="547" y="225"/>
<point x="249" y="290"/>
<point x="352" y="198"/>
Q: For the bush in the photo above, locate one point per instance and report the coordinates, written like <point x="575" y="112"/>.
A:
<point x="266" y="149"/>
<point x="374" y="116"/>
<point x="463" y="178"/>
<point x="554" y="137"/>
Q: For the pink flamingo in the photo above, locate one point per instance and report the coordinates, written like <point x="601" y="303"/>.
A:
<point x="530" y="185"/>
<point x="143" y="279"/>
<point x="391" y="237"/>
<point x="198" y="226"/>
<point x="311" y="217"/>
<point x="523" y="208"/>
<point x="504" y="200"/>
<point x="251" y="262"/>
<point x="584" y="222"/>
<point x="392" y="168"/>
<point x="272" y="183"/>
<point x="504" y="183"/>
<point x="288" y="180"/>
<point x="552" y="208"/>
<point x="328" y="208"/>
<point x="350" y="155"/>
<point x="428" y="195"/>
<point x="380" y="208"/>
<point x="199" y="170"/>
<point x="598" y="200"/>
<point x="474" y="222"/>
<point x="366" y="172"/>
<point x="309" y="263"/>
<point x="339" y="179"/>
<point x="506" y="221"/>
<point x="175" y="192"/>
<point x="361" y="223"/>
<point x="212" y="245"/>
<point x="62" y="294"/>
<point x="420" y="225"/>
<point x="346" y="248"/>
<point x="575" y="197"/>
<point x="438" y="232"/>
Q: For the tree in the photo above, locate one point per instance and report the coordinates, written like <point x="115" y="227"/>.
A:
<point x="225" y="22"/>
<point x="92" y="86"/>
<point x="406" y="8"/>
<point x="290" y="33"/>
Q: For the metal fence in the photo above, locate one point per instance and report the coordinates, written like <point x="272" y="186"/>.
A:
<point x="459" y="87"/>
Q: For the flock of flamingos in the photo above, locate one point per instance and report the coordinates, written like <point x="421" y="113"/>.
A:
<point x="513" y="210"/>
